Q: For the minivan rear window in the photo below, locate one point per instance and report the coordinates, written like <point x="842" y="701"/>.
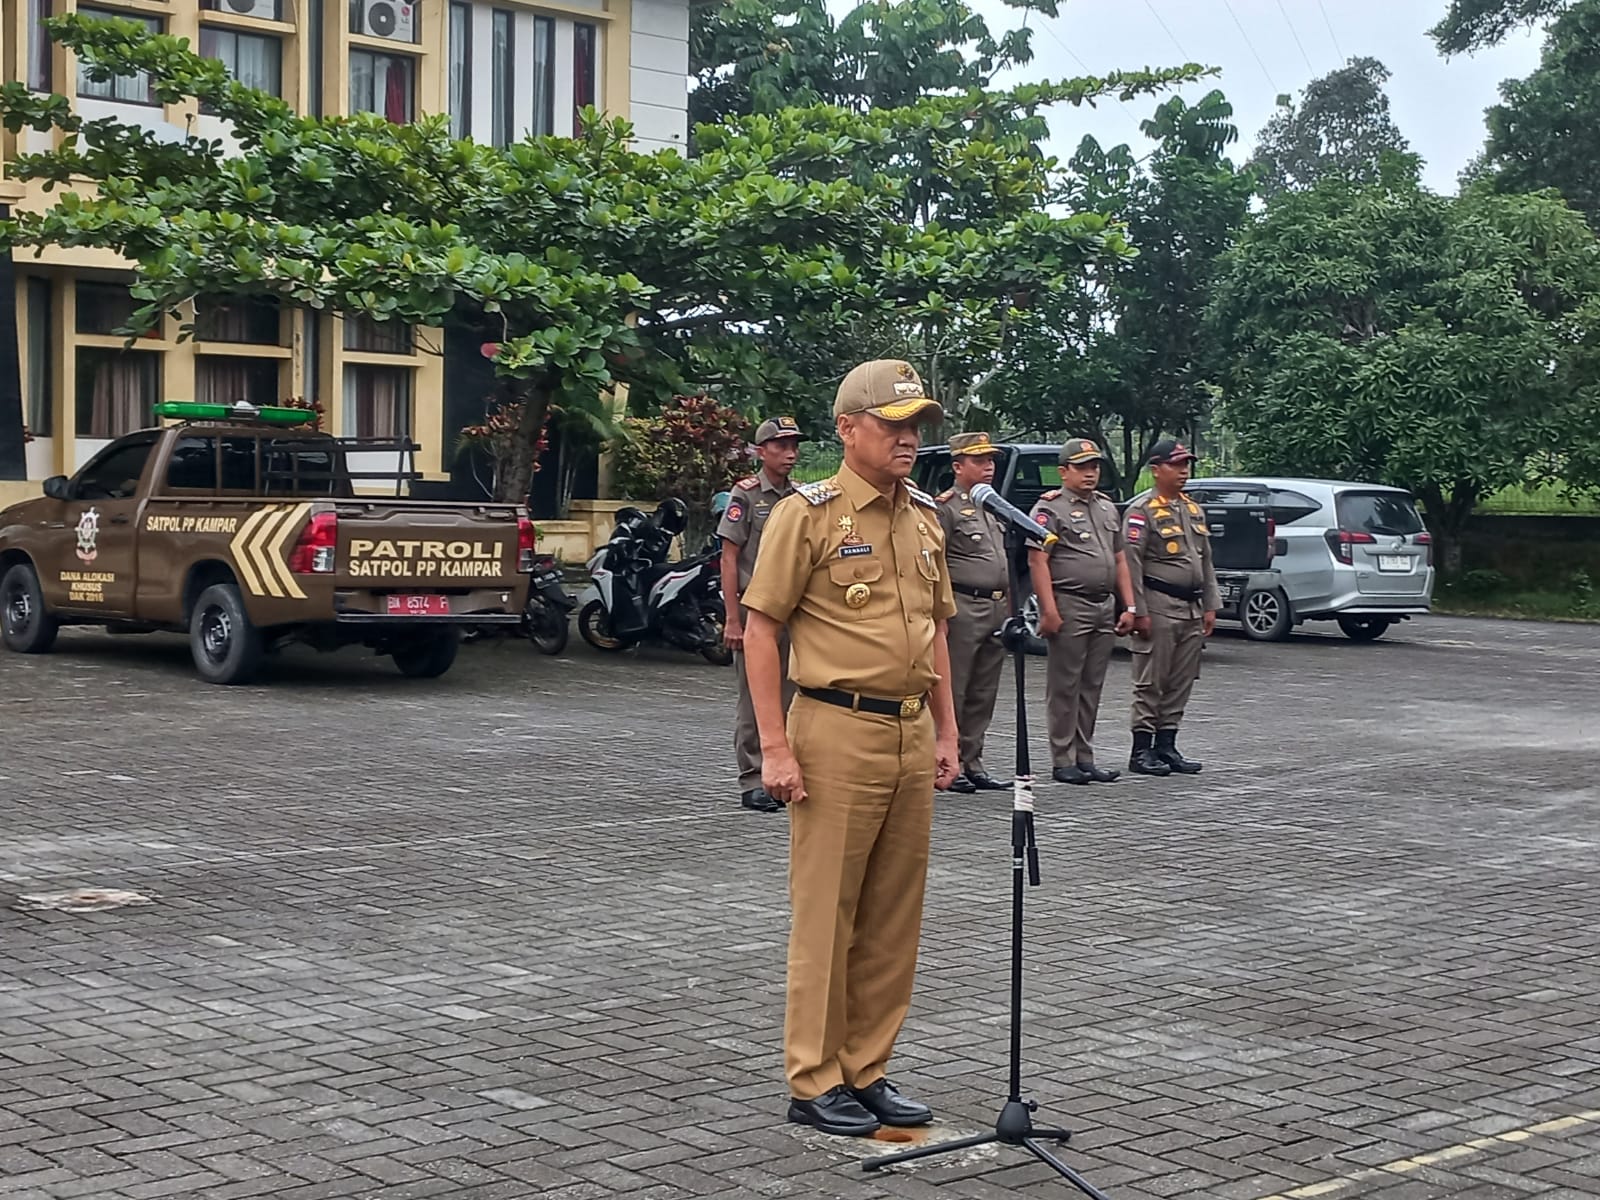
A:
<point x="1378" y="512"/>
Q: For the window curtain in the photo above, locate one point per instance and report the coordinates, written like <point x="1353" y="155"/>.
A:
<point x="377" y="401"/>
<point x="544" y="73"/>
<point x="381" y="83"/>
<point x="122" y="391"/>
<point x="504" y="83"/>
<point x="460" y="71"/>
<point x="583" y="58"/>
<point x="258" y="63"/>
<point x="38" y="46"/>
<point x="41" y="411"/>
<point x="229" y="380"/>
<point x="129" y="89"/>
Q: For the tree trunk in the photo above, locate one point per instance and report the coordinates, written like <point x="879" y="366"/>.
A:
<point x="516" y="481"/>
<point x="1447" y="520"/>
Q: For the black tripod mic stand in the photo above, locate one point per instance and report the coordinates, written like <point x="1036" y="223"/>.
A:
<point x="1015" y="1126"/>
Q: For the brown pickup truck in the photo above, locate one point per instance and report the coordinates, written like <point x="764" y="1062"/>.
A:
<point x="243" y="529"/>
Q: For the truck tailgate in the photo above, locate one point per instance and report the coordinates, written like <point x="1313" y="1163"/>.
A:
<point x="1240" y="532"/>
<point x="411" y="545"/>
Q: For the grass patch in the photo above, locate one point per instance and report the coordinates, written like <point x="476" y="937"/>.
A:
<point x="1488" y="593"/>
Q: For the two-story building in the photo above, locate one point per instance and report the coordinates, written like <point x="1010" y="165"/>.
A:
<point x="501" y="68"/>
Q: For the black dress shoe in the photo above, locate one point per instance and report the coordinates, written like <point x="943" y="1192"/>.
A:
<point x="757" y="800"/>
<point x="884" y="1101"/>
<point x="1144" y="760"/>
<point x="1098" y="775"/>
<point x="963" y="785"/>
<point x="984" y="782"/>
<point x="1069" y="775"/>
<point x="835" y="1111"/>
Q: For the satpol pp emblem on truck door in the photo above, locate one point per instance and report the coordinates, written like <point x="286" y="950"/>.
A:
<point x="88" y="532"/>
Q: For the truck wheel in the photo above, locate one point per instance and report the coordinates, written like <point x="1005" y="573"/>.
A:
<point x="1264" y="613"/>
<point x="226" y="647"/>
<point x="430" y="655"/>
<point x="595" y="626"/>
<point x="1364" y="629"/>
<point x="25" y="625"/>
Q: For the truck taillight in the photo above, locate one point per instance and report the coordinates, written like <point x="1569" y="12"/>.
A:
<point x="525" y="539"/>
<point x="1340" y="542"/>
<point x="1272" y="538"/>
<point x="315" y="550"/>
<point x="1426" y="540"/>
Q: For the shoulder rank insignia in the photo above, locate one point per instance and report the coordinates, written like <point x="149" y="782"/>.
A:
<point x="820" y="492"/>
<point x="921" y="497"/>
<point x="749" y="481"/>
<point x="1052" y="494"/>
<point x="945" y="495"/>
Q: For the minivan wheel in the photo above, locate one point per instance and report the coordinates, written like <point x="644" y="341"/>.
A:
<point x="1364" y="629"/>
<point x="1264" y="613"/>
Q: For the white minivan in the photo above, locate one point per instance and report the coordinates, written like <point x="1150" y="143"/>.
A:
<point x="1355" y="553"/>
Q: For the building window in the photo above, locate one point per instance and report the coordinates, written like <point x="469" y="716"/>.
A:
<point x="107" y="309"/>
<point x="505" y="83"/>
<point x="544" y="76"/>
<point x="377" y="401"/>
<point x="222" y="379"/>
<point x="460" y="70"/>
<point x="583" y="62"/>
<point x="382" y="84"/>
<point x="39" y="47"/>
<point x="250" y="59"/>
<point x="128" y="89"/>
<point x="376" y="337"/>
<point x="41" y="410"/>
<point x="252" y="320"/>
<point x="117" y="390"/>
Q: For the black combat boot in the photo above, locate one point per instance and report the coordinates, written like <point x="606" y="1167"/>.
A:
<point x="1143" y="760"/>
<point x="1167" y="751"/>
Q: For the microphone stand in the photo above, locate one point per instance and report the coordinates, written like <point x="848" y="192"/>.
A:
<point x="1014" y="1126"/>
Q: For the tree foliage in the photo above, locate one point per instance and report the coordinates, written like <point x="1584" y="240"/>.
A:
<point x="691" y="449"/>
<point x="1476" y="24"/>
<point x="1341" y="127"/>
<point x="1545" y="132"/>
<point x="587" y="263"/>
<point x="1450" y="346"/>
<point x="1128" y="354"/>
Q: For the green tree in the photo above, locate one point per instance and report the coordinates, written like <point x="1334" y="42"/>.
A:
<point x="691" y="449"/>
<point x="1475" y="24"/>
<point x="1341" y="127"/>
<point x="1545" y="132"/>
<point x="1129" y="354"/>
<point x="1449" y="346"/>
<point x="584" y="262"/>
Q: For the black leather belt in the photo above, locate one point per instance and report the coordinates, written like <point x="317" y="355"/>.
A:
<point x="980" y="593"/>
<point x="910" y="706"/>
<point x="1092" y="597"/>
<point x="1176" y="591"/>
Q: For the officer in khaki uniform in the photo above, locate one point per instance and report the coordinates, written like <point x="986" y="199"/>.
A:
<point x="855" y="567"/>
<point x="1176" y="602"/>
<point x="750" y="503"/>
<point x="1078" y="581"/>
<point x="975" y="549"/>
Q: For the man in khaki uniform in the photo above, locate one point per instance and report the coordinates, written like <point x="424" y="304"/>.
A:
<point x="975" y="549"/>
<point x="1175" y="601"/>
<point x="855" y="567"/>
<point x="1078" y="581"/>
<point x="750" y="503"/>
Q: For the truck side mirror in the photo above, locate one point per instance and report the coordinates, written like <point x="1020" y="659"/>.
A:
<point x="58" y="487"/>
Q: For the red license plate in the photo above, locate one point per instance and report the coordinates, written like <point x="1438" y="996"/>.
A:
<point x="418" y="606"/>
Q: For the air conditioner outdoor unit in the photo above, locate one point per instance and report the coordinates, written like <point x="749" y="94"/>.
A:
<point x="392" y="19"/>
<point x="266" y="10"/>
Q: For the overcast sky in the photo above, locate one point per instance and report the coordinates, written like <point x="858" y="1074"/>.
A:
<point x="1437" y="104"/>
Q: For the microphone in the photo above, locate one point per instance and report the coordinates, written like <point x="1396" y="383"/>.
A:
<point x="1020" y="521"/>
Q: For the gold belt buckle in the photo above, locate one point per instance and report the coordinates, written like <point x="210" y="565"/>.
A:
<point x="910" y="706"/>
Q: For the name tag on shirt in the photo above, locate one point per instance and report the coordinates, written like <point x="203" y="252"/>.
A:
<point x="853" y="551"/>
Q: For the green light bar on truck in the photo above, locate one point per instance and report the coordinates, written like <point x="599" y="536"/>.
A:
<point x="187" y="410"/>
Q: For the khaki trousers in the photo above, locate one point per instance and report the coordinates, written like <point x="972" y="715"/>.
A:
<point x="976" y="660"/>
<point x="746" y="737"/>
<point x="1164" y="670"/>
<point x="858" y="859"/>
<point x="1075" y="674"/>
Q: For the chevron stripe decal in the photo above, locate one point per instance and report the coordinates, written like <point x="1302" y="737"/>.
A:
<point x="258" y="550"/>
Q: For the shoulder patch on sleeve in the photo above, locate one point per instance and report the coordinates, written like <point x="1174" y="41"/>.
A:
<point x="818" y="493"/>
<point x="921" y="497"/>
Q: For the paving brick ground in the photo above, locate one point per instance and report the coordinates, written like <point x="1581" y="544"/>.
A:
<point x="505" y="934"/>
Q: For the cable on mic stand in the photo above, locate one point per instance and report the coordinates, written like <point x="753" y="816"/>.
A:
<point x="1014" y="1126"/>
